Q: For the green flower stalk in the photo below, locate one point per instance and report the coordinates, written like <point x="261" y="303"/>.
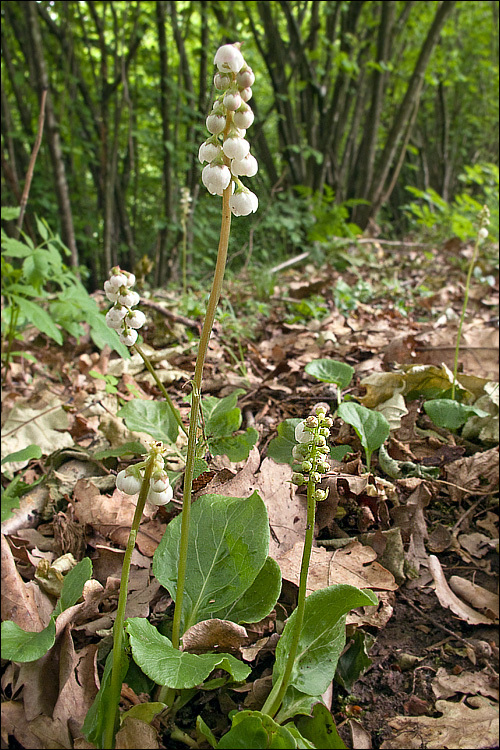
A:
<point x="484" y="220"/>
<point x="311" y="453"/>
<point x="150" y="480"/>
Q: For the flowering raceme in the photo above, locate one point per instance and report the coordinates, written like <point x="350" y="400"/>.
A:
<point x="121" y="317"/>
<point x="226" y="150"/>
<point x="160" y="492"/>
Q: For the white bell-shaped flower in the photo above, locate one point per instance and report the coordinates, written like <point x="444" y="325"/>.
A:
<point x="160" y="498"/>
<point x="208" y="152"/>
<point x="246" y="167"/>
<point x="236" y="148"/>
<point x="244" y="117"/>
<point x="135" y="319"/>
<point x="228" y="58"/>
<point x="128" y="483"/>
<point x="216" y="178"/>
<point x="243" y="203"/>
<point x="128" y="336"/>
<point x="215" y="123"/>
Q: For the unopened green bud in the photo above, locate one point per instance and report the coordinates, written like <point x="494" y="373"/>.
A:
<point x="312" y="421"/>
<point x="298" y="478"/>
<point x="320" y="495"/>
<point x="306" y="466"/>
<point x="315" y="477"/>
<point x="325" y="432"/>
<point x="321" y="441"/>
<point x="323" y="466"/>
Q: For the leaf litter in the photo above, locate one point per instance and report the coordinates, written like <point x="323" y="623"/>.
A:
<point x="426" y="543"/>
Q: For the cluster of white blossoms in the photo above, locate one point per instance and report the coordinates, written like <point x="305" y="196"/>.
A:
<point x="130" y="480"/>
<point x="121" y="316"/>
<point x="227" y="151"/>
<point x="312" y="450"/>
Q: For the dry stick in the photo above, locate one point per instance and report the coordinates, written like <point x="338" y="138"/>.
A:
<point x="31" y="166"/>
<point x="189" y="322"/>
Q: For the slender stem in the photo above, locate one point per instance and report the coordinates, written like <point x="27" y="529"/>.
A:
<point x="462" y="317"/>
<point x="275" y="697"/>
<point x="193" y="422"/>
<point x="160" y="385"/>
<point x="14" y="316"/>
<point x="116" y="683"/>
<point x="184" y="253"/>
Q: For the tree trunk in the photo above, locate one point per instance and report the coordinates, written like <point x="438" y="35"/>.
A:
<point x="378" y="190"/>
<point x="54" y="141"/>
<point x="165" y="152"/>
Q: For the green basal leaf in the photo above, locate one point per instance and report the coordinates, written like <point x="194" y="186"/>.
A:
<point x="257" y="601"/>
<point x="371" y="427"/>
<point x="301" y="741"/>
<point x="167" y="665"/>
<point x="253" y="729"/>
<point x="222" y="416"/>
<point x="320" y="729"/>
<point x="31" y="451"/>
<point x="145" y="712"/>
<point x="280" y="448"/>
<point x="38" y="317"/>
<point x="449" y="414"/>
<point x="322" y="637"/>
<point x="236" y="447"/>
<point x="355" y="660"/>
<point x="22" y="646"/>
<point x="134" y="448"/>
<point x="153" y="417"/>
<point x="94" y="726"/>
<point x="331" y="371"/>
<point x="339" y="451"/>
<point x="73" y="584"/>
<point x="11" y="495"/>
<point x="295" y="703"/>
<point x="227" y="547"/>
<point x="204" y="732"/>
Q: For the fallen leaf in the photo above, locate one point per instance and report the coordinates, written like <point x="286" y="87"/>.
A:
<point x="470" y="727"/>
<point x="445" y="685"/>
<point x="208" y="635"/>
<point x="448" y="599"/>
<point x="478" y="597"/>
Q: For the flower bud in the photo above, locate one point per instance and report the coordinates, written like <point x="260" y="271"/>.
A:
<point x="320" y="440"/>
<point x="236" y="148"/>
<point x="130" y="299"/>
<point x="228" y="58"/>
<point x="136" y="319"/>
<point x="232" y="100"/>
<point x="215" y="123"/>
<point x="299" y="452"/>
<point x="298" y="478"/>
<point x="312" y="421"/>
<point x="306" y="466"/>
<point x="245" y="78"/>
<point x="208" y="152"/>
<point x="320" y="495"/>
<point x="483" y="233"/>
<point x="246" y="94"/>
<point x="247" y="167"/>
<point x="114" y="317"/>
<point x="222" y="82"/>
<point x="128" y="336"/>
<point x="301" y="434"/>
<point x="244" y="117"/>
<point x="243" y="203"/>
<point x="216" y="178"/>
<point x="160" y="483"/>
<point x="160" y="498"/>
<point x="116" y="281"/>
<point x="315" y="477"/>
<point x="127" y="483"/>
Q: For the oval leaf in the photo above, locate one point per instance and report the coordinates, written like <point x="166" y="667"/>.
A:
<point x="153" y="417"/>
<point x="331" y="371"/>
<point x="168" y="666"/>
<point x="228" y="546"/>
<point x="450" y="414"/>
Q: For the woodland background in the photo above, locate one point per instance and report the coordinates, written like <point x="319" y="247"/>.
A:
<point x="378" y="115"/>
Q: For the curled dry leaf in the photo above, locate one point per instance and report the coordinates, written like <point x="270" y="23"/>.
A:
<point x="478" y="597"/>
<point x="208" y="635"/>
<point x="448" y="599"/>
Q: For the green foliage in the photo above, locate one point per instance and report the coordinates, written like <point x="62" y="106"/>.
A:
<point x="331" y="219"/>
<point x="166" y="665"/>
<point x="448" y="413"/>
<point x="346" y="297"/>
<point x="370" y="426"/>
<point x="41" y="290"/>
<point x="253" y="729"/>
<point x="320" y="729"/>
<point x="280" y="448"/>
<point x="440" y="220"/>
<point x="331" y="371"/>
<point x="228" y="546"/>
<point x="17" y="488"/>
<point x="222" y="418"/>
<point x="322" y="637"/>
<point x="94" y="726"/>
<point x="153" y="417"/>
<point x="22" y="646"/>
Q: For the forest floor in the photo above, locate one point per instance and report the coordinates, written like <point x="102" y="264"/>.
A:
<point x="430" y="650"/>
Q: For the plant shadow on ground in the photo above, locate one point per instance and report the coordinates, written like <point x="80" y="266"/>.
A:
<point x="388" y="309"/>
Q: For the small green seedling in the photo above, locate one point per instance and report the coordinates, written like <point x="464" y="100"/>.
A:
<point x="371" y="427"/>
<point x="331" y="371"/>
